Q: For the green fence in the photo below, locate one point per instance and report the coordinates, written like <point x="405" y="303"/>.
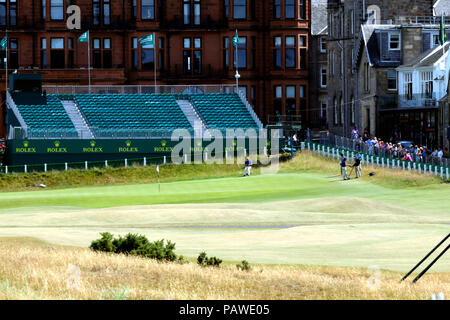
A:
<point x="420" y="167"/>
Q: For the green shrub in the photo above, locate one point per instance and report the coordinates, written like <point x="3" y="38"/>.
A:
<point x="244" y="266"/>
<point x="204" y="261"/>
<point x="136" y="245"/>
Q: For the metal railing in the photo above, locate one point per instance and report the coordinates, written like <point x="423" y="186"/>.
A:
<point x="139" y="89"/>
<point x="359" y="146"/>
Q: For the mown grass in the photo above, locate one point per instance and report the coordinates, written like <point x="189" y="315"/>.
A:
<point x="35" y="270"/>
<point x="304" y="162"/>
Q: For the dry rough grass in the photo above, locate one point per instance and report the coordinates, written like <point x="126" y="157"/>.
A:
<point x="35" y="270"/>
<point x="309" y="161"/>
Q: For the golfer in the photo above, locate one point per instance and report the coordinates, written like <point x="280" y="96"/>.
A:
<point x="342" y="159"/>
<point x="357" y="166"/>
<point x="248" y="167"/>
<point x="344" y="169"/>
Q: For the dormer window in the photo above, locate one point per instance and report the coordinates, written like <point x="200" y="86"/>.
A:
<point x="394" y="41"/>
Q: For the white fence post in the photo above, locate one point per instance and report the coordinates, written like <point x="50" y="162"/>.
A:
<point x="206" y="156"/>
<point x="409" y="166"/>
<point x="435" y="171"/>
<point x="446" y="173"/>
<point x="25" y="168"/>
<point x="442" y="172"/>
<point x="403" y="165"/>
<point x="6" y="170"/>
<point x="126" y="163"/>
<point x="165" y="159"/>
<point x="45" y="167"/>
<point x="424" y="168"/>
<point x="66" y="167"/>
<point x="86" y="165"/>
<point x="106" y="163"/>
<point x="414" y="166"/>
<point x="145" y="161"/>
<point x="185" y="158"/>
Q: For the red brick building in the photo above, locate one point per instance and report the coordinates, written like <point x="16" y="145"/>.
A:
<point x="193" y="45"/>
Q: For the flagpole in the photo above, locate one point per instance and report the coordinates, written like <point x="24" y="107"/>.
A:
<point x="6" y="79"/>
<point x="237" y="67"/>
<point x="154" y="58"/>
<point x="89" y="60"/>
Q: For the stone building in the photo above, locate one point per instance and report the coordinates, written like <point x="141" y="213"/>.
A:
<point x="318" y="65"/>
<point x="345" y="19"/>
<point x="193" y="46"/>
<point x="444" y="122"/>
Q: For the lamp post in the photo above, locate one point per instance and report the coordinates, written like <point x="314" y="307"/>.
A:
<point x="237" y="76"/>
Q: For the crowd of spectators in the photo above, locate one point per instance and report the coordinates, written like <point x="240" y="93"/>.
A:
<point x="403" y="151"/>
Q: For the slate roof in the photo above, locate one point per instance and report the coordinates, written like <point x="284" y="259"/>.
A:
<point x="427" y="58"/>
<point x="319" y="18"/>
<point x="442" y="7"/>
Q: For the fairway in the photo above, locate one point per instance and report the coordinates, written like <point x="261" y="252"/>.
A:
<point x="287" y="218"/>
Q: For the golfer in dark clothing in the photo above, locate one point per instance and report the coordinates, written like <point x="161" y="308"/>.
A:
<point x="344" y="169"/>
<point x="357" y="166"/>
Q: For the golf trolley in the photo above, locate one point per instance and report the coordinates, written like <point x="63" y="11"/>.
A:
<point x="426" y="257"/>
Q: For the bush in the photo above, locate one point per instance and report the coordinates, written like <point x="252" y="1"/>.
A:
<point x="204" y="261"/>
<point x="244" y="266"/>
<point x="136" y="245"/>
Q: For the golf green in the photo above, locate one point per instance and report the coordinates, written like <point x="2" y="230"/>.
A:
<point x="282" y="218"/>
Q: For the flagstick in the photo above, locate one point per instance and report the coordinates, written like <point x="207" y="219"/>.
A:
<point x="89" y="60"/>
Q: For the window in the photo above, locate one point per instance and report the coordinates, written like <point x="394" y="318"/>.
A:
<point x="134" y="53"/>
<point x="148" y="57"/>
<point x="302" y="7"/>
<point x="392" y="79"/>
<point x="43" y="53"/>
<point x="407" y="79"/>
<point x="277" y="9"/>
<point x="290" y="52"/>
<point x="323" y="110"/>
<point x="279" y="92"/>
<point x="70" y="53"/>
<point x="191" y="11"/>
<point x="394" y="41"/>
<point x="226" y="53"/>
<point x="323" y="77"/>
<point x="367" y="77"/>
<point x="101" y="8"/>
<point x="277" y="53"/>
<point x="290" y="91"/>
<point x="242" y="53"/>
<point x="97" y="53"/>
<point x="134" y="9"/>
<point x="148" y="9"/>
<point x="302" y="92"/>
<point x="226" y="8"/>
<point x="426" y="80"/>
<point x="161" y="54"/>
<point x="107" y="53"/>
<point x="289" y="7"/>
<point x="252" y="62"/>
<point x="323" y="45"/>
<point x="435" y="40"/>
<point x="57" y="54"/>
<point x="240" y="9"/>
<point x="57" y="10"/>
<point x="303" y="56"/>
<point x="12" y="12"/>
<point x="13" y="54"/>
<point x="43" y="9"/>
<point x="192" y="56"/>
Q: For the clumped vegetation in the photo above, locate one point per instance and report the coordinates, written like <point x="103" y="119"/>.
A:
<point x="204" y="261"/>
<point x="136" y="245"/>
<point x="244" y="266"/>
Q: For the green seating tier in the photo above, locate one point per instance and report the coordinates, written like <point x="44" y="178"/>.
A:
<point x="220" y="110"/>
<point x="49" y="120"/>
<point x="122" y="114"/>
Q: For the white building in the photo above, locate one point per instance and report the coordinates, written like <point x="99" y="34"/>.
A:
<point x="423" y="81"/>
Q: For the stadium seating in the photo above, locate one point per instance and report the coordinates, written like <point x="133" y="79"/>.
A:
<point x="135" y="115"/>
<point x="125" y="114"/>
<point x="49" y="120"/>
<point x="220" y="110"/>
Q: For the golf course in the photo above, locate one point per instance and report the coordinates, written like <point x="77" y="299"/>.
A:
<point x="298" y="216"/>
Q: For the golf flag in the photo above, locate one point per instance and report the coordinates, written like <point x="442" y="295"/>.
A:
<point x="235" y="40"/>
<point x="148" y="40"/>
<point x="442" y="34"/>
<point x="4" y="43"/>
<point x="84" y="37"/>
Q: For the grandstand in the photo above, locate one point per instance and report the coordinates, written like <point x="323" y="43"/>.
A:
<point x="40" y="123"/>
